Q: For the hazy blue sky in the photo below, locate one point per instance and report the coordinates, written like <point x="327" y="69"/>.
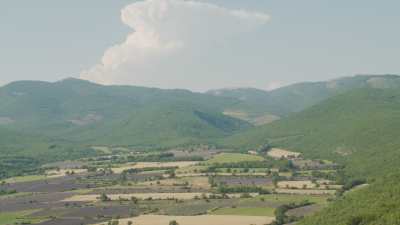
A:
<point x="198" y="46"/>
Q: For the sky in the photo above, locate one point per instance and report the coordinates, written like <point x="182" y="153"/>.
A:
<point x="198" y="45"/>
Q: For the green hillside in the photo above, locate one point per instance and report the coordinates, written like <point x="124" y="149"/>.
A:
<point x="358" y="129"/>
<point x="162" y="126"/>
<point x="22" y="153"/>
<point x="59" y="119"/>
<point x="378" y="204"/>
<point x="84" y="112"/>
<point x="353" y="128"/>
<point x="297" y="97"/>
<point x="43" y="121"/>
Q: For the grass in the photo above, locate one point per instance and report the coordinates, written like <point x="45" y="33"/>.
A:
<point x="286" y="198"/>
<point x="245" y="211"/>
<point x="234" y="158"/>
<point x="192" y="169"/>
<point x="25" y="179"/>
<point x="21" y="217"/>
<point x="19" y="194"/>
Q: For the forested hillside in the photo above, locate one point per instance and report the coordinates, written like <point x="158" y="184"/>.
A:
<point x="22" y="152"/>
<point x="42" y="122"/>
<point x="349" y="128"/>
<point x="377" y="204"/>
<point x="353" y="128"/>
<point x="359" y="130"/>
<point x="297" y="97"/>
<point x="84" y="112"/>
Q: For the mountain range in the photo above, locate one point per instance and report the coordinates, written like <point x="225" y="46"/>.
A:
<point x="80" y="112"/>
<point x="353" y="121"/>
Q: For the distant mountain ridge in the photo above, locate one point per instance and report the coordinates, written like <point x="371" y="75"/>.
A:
<point x="86" y="112"/>
<point x="83" y="113"/>
<point x="297" y="97"/>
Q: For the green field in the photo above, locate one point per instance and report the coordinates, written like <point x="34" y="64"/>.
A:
<point x="286" y="198"/>
<point x="21" y="217"/>
<point x="245" y="211"/>
<point x="24" y="179"/>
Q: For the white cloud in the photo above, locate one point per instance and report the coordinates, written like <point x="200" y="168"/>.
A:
<point x="175" y="44"/>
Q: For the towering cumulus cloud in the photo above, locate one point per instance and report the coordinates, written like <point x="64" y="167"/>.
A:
<point x="173" y="44"/>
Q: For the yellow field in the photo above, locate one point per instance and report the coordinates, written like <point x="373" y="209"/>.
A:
<point x="296" y="184"/>
<point x="191" y="169"/>
<point x="234" y="158"/>
<point x="278" y="153"/>
<point x="198" y="220"/>
<point x="24" y="179"/>
<point x="61" y="173"/>
<point x="220" y="174"/>
<point x="305" y="192"/>
<point x="142" y="165"/>
<point x="198" y="182"/>
<point x="323" y="185"/>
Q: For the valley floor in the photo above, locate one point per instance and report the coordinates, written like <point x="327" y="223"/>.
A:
<point x="220" y="187"/>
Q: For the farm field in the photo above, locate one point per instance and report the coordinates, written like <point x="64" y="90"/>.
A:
<point x="20" y="217"/>
<point x="63" y="172"/>
<point x="245" y="211"/>
<point x="305" y="191"/>
<point x="143" y="165"/>
<point x="234" y="158"/>
<point x="297" y="184"/>
<point x="199" y="112"/>
<point x="278" y="153"/>
<point x="142" y="196"/>
<point x="197" y="220"/>
<point x="247" y="187"/>
<point x="24" y="179"/>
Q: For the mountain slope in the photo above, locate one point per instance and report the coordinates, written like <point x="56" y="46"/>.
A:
<point x="377" y="204"/>
<point x="360" y="130"/>
<point x="162" y="126"/>
<point x="297" y="97"/>
<point x="353" y="128"/>
<point x="21" y="152"/>
<point x="88" y="113"/>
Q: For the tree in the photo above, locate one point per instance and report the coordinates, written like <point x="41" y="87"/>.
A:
<point x="173" y="222"/>
<point x="134" y="199"/>
<point x="171" y="173"/>
<point x="104" y="198"/>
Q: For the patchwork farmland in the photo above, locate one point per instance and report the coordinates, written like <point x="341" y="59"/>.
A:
<point x="157" y="188"/>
